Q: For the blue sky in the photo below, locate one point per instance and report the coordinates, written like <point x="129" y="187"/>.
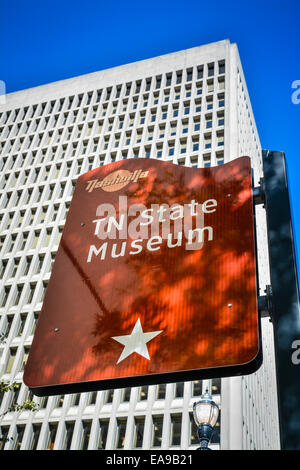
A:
<point x="44" y="41"/>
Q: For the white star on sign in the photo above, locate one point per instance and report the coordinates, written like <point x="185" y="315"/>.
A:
<point x="136" y="341"/>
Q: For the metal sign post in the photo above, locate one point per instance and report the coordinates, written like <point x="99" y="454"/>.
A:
<point x="285" y="296"/>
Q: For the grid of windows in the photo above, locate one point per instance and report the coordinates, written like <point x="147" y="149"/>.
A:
<point x="105" y="424"/>
<point x="39" y="142"/>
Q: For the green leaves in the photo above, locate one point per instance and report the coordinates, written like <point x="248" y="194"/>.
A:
<point x="5" y="386"/>
<point x="31" y="405"/>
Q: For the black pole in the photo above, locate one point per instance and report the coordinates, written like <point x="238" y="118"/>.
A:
<point x="285" y="296"/>
<point x="205" y="432"/>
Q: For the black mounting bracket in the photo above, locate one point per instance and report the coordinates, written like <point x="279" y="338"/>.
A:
<point x="259" y="193"/>
<point x="265" y="304"/>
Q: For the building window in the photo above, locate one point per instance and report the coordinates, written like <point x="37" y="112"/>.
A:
<point x="208" y="119"/>
<point x="126" y="394"/>
<point x="194" y="162"/>
<point x="177" y="94"/>
<point x="186" y="108"/>
<point x="30" y="293"/>
<point x="15" y="396"/>
<point x="179" y="388"/>
<point x="167" y="96"/>
<point x="6" y="326"/>
<point x="200" y="71"/>
<point x="210" y="86"/>
<point x="19" y="437"/>
<point x="25" y="357"/>
<point x="209" y="102"/>
<point x="168" y="79"/>
<point x="206" y="161"/>
<point x="34" y="323"/>
<point x="3" y="436"/>
<point x="144" y="392"/>
<point x="197" y="388"/>
<point x="210" y="70"/>
<point x="216" y="386"/>
<point x="185" y="127"/>
<point x="155" y="98"/>
<point x="173" y="128"/>
<point x="12" y="243"/>
<point x="92" y="398"/>
<point x="44" y="402"/>
<point x="178" y="77"/>
<point x="11" y="360"/>
<point x="139" y="424"/>
<point x="109" y="396"/>
<point x="207" y="141"/>
<point x="161" y="131"/>
<point x="147" y="152"/>
<point x="220" y="138"/>
<point x="158" y="150"/>
<point x="171" y="148"/>
<point x="199" y="88"/>
<point x="148" y="84"/>
<point x="197" y="124"/>
<point x="86" y="432"/>
<point x="164" y="113"/>
<point x="145" y="102"/>
<point x="221" y="66"/>
<point x="36" y="430"/>
<point x="51" y="436"/>
<point x="183" y="146"/>
<point x="220" y="158"/>
<point x="161" y="391"/>
<point x="189" y="75"/>
<point x="3" y="268"/>
<point x="221" y="119"/>
<point x="150" y="133"/>
<point x="76" y="399"/>
<point x="103" y="433"/>
<point x="198" y="107"/>
<point x="24" y="240"/>
<point x="221" y="84"/>
<point x="157" y="428"/>
<point x="142" y="118"/>
<point x="175" y="430"/>
<point x="195" y="141"/>
<point x="16" y="265"/>
<point x="22" y="322"/>
<point x="121" y="430"/>
<point x="48" y="236"/>
<point x="40" y="264"/>
<point x="221" y="101"/>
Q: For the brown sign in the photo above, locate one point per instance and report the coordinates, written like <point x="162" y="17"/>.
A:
<point x="154" y="280"/>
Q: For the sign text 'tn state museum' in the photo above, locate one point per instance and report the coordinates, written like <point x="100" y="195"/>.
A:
<point x="154" y="280"/>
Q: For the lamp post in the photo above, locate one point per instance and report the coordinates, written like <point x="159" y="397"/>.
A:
<point x="206" y="413"/>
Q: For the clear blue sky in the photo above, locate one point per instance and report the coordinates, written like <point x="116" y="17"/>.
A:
<point x="44" y="41"/>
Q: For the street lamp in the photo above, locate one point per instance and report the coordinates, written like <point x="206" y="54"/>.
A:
<point x="206" y="413"/>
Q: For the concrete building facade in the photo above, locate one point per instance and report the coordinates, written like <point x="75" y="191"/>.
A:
<point x="190" y="108"/>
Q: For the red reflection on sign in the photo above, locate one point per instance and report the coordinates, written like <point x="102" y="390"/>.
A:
<point x="139" y="304"/>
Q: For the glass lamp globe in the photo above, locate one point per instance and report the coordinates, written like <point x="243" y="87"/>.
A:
<point x="206" y="411"/>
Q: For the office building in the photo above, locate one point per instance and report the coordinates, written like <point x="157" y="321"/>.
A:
<point x="191" y="108"/>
